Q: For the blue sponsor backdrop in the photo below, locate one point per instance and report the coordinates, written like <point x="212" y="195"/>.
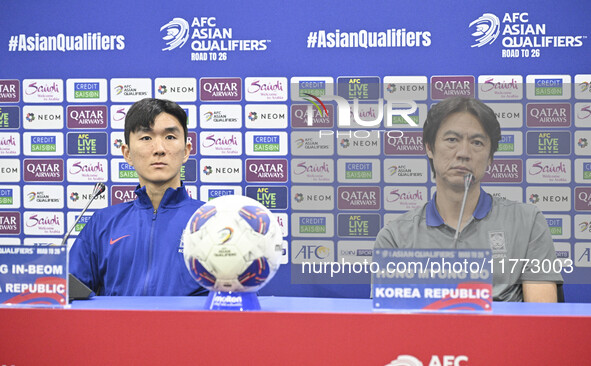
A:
<point x="361" y="42"/>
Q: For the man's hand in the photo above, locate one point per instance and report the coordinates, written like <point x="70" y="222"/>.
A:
<point x="539" y="292"/>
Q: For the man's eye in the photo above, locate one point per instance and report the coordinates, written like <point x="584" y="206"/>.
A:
<point x="145" y="138"/>
<point x="451" y="139"/>
<point x="478" y="143"/>
<point x="171" y="137"/>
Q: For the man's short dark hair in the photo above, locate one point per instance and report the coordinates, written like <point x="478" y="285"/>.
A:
<point x="143" y="113"/>
<point x="440" y="111"/>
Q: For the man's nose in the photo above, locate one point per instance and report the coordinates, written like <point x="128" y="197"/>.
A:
<point x="159" y="146"/>
<point x="464" y="149"/>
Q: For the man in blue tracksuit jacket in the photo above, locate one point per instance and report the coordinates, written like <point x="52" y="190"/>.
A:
<point x="134" y="248"/>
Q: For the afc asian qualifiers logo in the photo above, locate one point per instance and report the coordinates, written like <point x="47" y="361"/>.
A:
<point x="446" y="360"/>
<point x="487" y="27"/>
<point x="177" y="33"/>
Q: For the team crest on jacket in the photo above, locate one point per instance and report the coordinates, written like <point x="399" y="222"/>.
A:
<point x="496" y="240"/>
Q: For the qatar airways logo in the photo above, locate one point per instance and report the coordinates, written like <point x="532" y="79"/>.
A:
<point x="548" y="170"/>
<point x="548" y="115"/>
<point x="404" y="198"/>
<point x="121" y="194"/>
<point x="220" y="89"/>
<point x="43" y="170"/>
<point x="452" y="86"/>
<point x="504" y="171"/>
<point x="9" y="91"/>
<point x="266" y="89"/>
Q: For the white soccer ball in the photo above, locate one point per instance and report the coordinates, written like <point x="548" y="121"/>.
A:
<point x="232" y="243"/>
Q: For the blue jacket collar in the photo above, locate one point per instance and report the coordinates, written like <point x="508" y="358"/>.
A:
<point x="482" y="209"/>
<point x="171" y="198"/>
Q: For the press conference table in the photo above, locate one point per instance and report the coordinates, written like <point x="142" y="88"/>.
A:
<point x="290" y="331"/>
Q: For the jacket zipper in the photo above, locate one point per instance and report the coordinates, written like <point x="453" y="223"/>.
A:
<point x="150" y="254"/>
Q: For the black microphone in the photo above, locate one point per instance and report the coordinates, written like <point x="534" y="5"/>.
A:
<point x="98" y="189"/>
<point x="468" y="180"/>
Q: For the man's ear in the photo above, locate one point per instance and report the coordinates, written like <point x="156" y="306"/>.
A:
<point x="125" y="151"/>
<point x="429" y="151"/>
<point x="188" y="147"/>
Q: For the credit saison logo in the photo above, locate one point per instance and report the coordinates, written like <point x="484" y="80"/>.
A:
<point x="215" y="193"/>
<point x="309" y="88"/>
<point x="210" y="41"/>
<point x="43" y="143"/>
<point x="312" y="225"/>
<point x="555" y="225"/>
<point x="81" y="223"/>
<point x="87" y="90"/>
<point x="587" y="171"/>
<point x="548" y="87"/>
<point x="266" y="143"/>
<point x="271" y="143"/>
<point x="354" y="170"/>
<point x="507" y="143"/>
<point x="6" y="196"/>
<point x="126" y="171"/>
